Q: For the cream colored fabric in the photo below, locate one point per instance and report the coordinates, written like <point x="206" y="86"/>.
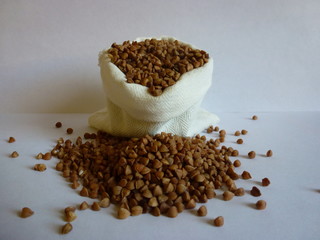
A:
<point x="131" y="111"/>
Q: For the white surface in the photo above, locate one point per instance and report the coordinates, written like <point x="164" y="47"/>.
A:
<point x="293" y="198"/>
<point x="266" y="53"/>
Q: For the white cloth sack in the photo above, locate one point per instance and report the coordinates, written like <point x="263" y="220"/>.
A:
<point x="131" y="111"/>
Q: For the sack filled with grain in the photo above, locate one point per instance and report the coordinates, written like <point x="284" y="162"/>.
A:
<point x="153" y="86"/>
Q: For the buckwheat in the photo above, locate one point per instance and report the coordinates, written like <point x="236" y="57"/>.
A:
<point x="95" y="206"/>
<point x="202" y="211"/>
<point x="58" y="124"/>
<point x="70" y="208"/>
<point x="84" y="205"/>
<point x="255" y="192"/>
<point x="69" y="130"/>
<point x="66" y="228"/>
<point x="261" y="204"/>
<point x="136" y="210"/>
<point x="265" y="182"/>
<point x="26" y="212"/>
<point x="14" y="154"/>
<point x="104" y="203"/>
<point x="252" y="154"/>
<point x="70" y="216"/>
<point x="40" y="167"/>
<point x="219" y="221"/>
<point x="172" y="212"/>
<point x="237" y="163"/>
<point x="246" y="175"/>
<point x="239" y="141"/>
<point x="123" y="213"/>
<point x="244" y="132"/>
<point x="269" y="153"/>
<point x="239" y="192"/>
<point x="47" y="156"/>
<point x="227" y="195"/>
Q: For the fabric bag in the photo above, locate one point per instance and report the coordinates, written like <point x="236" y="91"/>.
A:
<point x="131" y="111"/>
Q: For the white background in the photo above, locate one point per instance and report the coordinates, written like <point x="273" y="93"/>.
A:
<point x="267" y="58"/>
<point x="266" y="53"/>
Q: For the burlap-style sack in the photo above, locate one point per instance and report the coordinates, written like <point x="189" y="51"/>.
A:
<point x="131" y="111"/>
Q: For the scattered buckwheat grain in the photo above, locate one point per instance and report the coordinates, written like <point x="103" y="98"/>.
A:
<point x="265" y="182"/>
<point x="219" y="221"/>
<point x="255" y="192"/>
<point x="261" y="204"/>
<point x="202" y="211"/>
<point x="26" y="212"/>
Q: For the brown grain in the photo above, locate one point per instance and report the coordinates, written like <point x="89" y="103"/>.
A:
<point x="222" y="133"/>
<point x="261" y="205"/>
<point x="70" y="216"/>
<point x="244" y="132"/>
<point x="14" y="154"/>
<point x="190" y="204"/>
<point x="26" y="212"/>
<point x="58" y="124"/>
<point x="269" y="153"/>
<point x="255" y="192"/>
<point x="219" y="221"/>
<point x="84" y="205"/>
<point x="239" y="141"/>
<point x="136" y="210"/>
<point x="210" y="129"/>
<point x="265" y="182"/>
<point x="69" y="130"/>
<point x="252" y="154"/>
<point x="227" y="195"/>
<point x="70" y="208"/>
<point x="123" y="213"/>
<point x="202" y="211"/>
<point x="66" y="228"/>
<point x="40" y="167"/>
<point x="84" y="192"/>
<point x="172" y="212"/>
<point x="180" y="206"/>
<point x="237" y="163"/>
<point x="47" y="156"/>
<point x="156" y="212"/>
<point x="95" y="206"/>
<point x="105" y="202"/>
<point x="246" y="175"/>
<point x="239" y="192"/>
<point x="156" y="64"/>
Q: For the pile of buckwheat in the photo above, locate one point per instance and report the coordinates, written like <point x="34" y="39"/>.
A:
<point x="156" y="173"/>
<point x="156" y="64"/>
<point x="161" y="175"/>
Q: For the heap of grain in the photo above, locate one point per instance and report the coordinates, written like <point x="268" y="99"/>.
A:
<point x="155" y="173"/>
